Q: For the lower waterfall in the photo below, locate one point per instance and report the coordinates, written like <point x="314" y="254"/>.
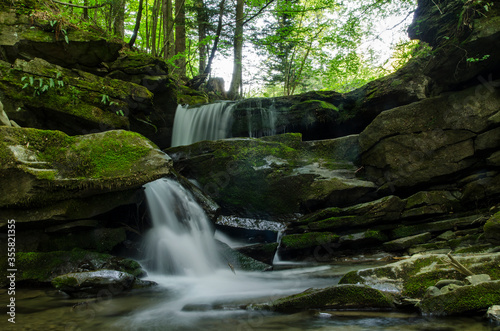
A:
<point x="181" y="240"/>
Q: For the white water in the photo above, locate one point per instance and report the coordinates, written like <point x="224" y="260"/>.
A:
<point x="207" y="122"/>
<point x="214" y="121"/>
<point x="194" y="284"/>
<point x="181" y="240"/>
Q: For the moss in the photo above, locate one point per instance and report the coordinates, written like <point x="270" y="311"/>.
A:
<point x="336" y="297"/>
<point x="308" y="240"/>
<point x="332" y="223"/>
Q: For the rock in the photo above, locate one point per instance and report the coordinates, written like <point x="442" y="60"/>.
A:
<point x="402" y="148"/>
<point x="493" y="313"/>
<point x="260" y="252"/>
<point x="438" y="226"/>
<point x="464" y="299"/>
<point x="492" y="228"/>
<point x="430" y="203"/>
<point x="406" y="242"/>
<point x="94" y="283"/>
<point x="449" y="288"/>
<point x="432" y="291"/>
<point x="4" y="119"/>
<point x="40" y="268"/>
<point x="77" y="103"/>
<point x="445" y="282"/>
<point x="239" y="261"/>
<point x="477" y="279"/>
<point x="369" y="237"/>
<point x="448" y="235"/>
<point x="311" y="244"/>
<point x="262" y="177"/>
<point x="49" y="173"/>
<point x="415" y="275"/>
<point x="334" y="297"/>
<point x="343" y="148"/>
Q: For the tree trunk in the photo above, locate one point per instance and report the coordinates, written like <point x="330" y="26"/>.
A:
<point x="137" y="25"/>
<point x="180" y="38"/>
<point x="119" y="18"/>
<point x="201" y="20"/>
<point x="168" y="25"/>
<point x="236" y="81"/>
<point x="85" y="10"/>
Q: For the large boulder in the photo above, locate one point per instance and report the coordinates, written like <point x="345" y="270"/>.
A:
<point x="49" y="175"/>
<point x="272" y="176"/>
<point x="334" y="297"/>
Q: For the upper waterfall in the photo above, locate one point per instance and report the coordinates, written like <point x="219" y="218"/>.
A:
<point x="207" y="122"/>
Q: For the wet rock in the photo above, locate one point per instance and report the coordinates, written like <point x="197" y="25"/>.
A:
<point x="260" y="252"/>
<point x="40" y="268"/>
<point x="335" y="297"/>
<point x="437" y="226"/>
<point x="493" y="313"/>
<point x="91" y="283"/>
<point x="311" y="244"/>
<point x="464" y="299"/>
<point x="445" y="282"/>
<point x="239" y="261"/>
<point x="430" y="203"/>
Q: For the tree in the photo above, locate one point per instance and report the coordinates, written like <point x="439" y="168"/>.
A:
<point x="180" y="38"/>
<point x="237" y="80"/>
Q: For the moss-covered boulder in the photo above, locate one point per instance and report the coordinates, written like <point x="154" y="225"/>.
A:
<point x="335" y="297"/>
<point x="43" y="174"/>
<point x="91" y="283"/>
<point x="40" y="268"/>
<point x="412" y="277"/>
<point x="475" y="298"/>
<point x="239" y="261"/>
<point x="269" y="176"/>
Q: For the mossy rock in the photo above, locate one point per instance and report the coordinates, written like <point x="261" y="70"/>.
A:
<point x="412" y="277"/>
<point x="91" y="283"/>
<point x="240" y="261"/>
<point x="41" y="167"/>
<point x="269" y="176"/>
<point x="492" y="228"/>
<point x="335" y="297"/>
<point x="464" y="299"/>
<point x="39" y="268"/>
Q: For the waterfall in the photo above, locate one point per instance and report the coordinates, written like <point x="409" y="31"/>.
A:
<point x="181" y="240"/>
<point x="215" y="121"/>
<point x="207" y="122"/>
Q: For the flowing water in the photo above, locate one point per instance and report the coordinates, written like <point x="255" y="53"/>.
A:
<point x="214" y="121"/>
<point x="197" y="291"/>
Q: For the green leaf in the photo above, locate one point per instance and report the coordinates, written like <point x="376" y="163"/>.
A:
<point x="32" y="80"/>
<point x="51" y="82"/>
<point x="25" y="85"/>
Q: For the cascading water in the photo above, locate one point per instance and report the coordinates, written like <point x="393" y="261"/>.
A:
<point x="181" y="240"/>
<point x="208" y="122"/>
<point x="214" y="121"/>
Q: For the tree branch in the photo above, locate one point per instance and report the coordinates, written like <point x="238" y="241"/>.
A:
<point x="258" y="13"/>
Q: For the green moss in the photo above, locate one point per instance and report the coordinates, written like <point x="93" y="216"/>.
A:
<point x="332" y="223"/>
<point x="308" y="240"/>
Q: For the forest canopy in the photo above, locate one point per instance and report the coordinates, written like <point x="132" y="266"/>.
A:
<point x="274" y="47"/>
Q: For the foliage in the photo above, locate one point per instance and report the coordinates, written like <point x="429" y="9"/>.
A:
<point x="43" y="85"/>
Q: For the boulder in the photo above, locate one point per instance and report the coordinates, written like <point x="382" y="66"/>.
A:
<point x="40" y="268"/>
<point x="406" y="242"/>
<point x="493" y="313"/>
<point x="45" y="174"/>
<point x="272" y="176"/>
<point x="463" y="299"/>
<point x="94" y="283"/>
<point x="334" y="297"/>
